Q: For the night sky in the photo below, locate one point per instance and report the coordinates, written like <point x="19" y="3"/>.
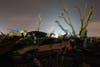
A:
<point x="23" y="14"/>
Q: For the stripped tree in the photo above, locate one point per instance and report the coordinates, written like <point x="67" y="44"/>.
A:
<point x="85" y="17"/>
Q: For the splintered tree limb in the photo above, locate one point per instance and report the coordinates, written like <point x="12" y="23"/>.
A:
<point x="89" y="17"/>
<point x="60" y="26"/>
<point x="69" y="21"/>
<point x="39" y="23"/>
<point x="68" y="15"/>
<point x="66" y="20"/>
<point x="80" y="14"/>
<point x="82" y="17"/>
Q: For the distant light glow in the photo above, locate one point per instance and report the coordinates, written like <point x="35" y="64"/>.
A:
<point x="22" y="14"/>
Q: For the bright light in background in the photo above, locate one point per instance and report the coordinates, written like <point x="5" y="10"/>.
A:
<point x="23" y="15"/>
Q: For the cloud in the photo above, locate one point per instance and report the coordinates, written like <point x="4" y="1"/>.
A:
<point x="20" y="18"/>
<point x="18" y="22"/>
